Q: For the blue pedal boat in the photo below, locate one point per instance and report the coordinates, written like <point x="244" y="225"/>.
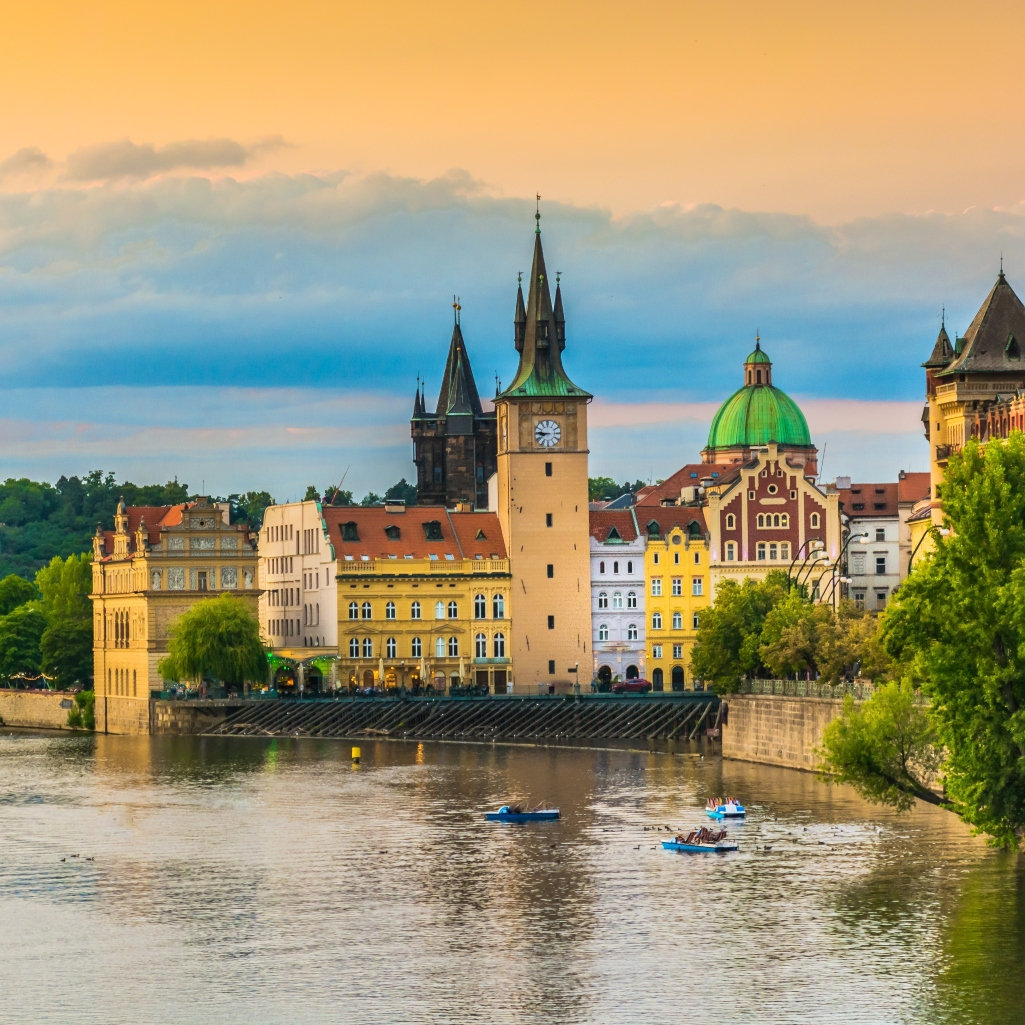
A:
<point x="731" y="808"/>
<point x="701" y="841"/>
<point x="513" y="813"/>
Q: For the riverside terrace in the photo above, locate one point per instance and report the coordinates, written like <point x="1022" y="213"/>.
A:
<point x="677" y="716"/>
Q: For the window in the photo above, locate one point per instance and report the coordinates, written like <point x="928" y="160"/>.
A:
<point x="417" y="648"/>
<point x="656" y="587"/>
<point x="603" y="632"/>
<point x="859" y="599"/>
<point x="366" y="610"/>
<point x="453" y="610"/>
<point x="353" y="647"/>
<point x="551" y="622"/>
<point x="773" y="552"/>
<point x="655" y="559"/>
<point x="389" y="610"/>
<point x="480" y="606"/>
<point x="676" y="555"/>
<point x="439" y="647"/>
<point x="480" y="646"/>
<point x="880" y="565"/>
<point x="499" y="646"/>
<point x="784" y="550"/>
<point x="631" y="599"/>
<point x="880" y="600"/>
<point x="697" y="558"/>
<point x="631" y="632"/>
<point x="677" y="620"/>
<point x="731" y="522"/>
<point x="349" y="531"/>
<point x="761" y="520"/>
<point x="695" y="621"/>
<point x="761" y="551"/>
<point x="603" y="600"/>
<point x="390" y="648"/>
<point x="617" y="599"/>
<point x="548" y="519"/>
<point x="453" y="647"/>
<point x="551" y="571"/>
<point x="630" y="567"/>
<point x="656" y="651"/>
<point x="551" y="667"/>
<point x="731" y="551"/>
<point x="548" y="469"/>
<point x="880" y="533"/>
<point x="771" y="489"/>
<point x="814" y="521"/>
<point x="677" y="651"/>
<point x="368" y="647"/>
<point x="697" y="585"/>
<point x="439" y="610"/>
<point x="392" y="532"/>
<point x="498" y="607"/>
<point x="432" y="531"/>
<point x="414" y="610"/>
<point x="654" y="531"/>
<point x="601" y="567"/>
<point x="677" y="586"/>
<point x="656" y="621"/>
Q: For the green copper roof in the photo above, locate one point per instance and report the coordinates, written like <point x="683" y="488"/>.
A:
<point x="757" y="414"/>
<point x="757" y="356"/>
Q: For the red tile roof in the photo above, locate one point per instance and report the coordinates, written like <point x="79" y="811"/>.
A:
<point x="670" y="516"/>
<point x="156" y="517"/>
<point x="913" y="487"/>
<point x="686" y="476"/>
<point x="601" y="522"/>
<point x="867" y="500"/>
<point x="464" y="534"/>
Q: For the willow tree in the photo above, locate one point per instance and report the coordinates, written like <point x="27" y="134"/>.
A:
<point x="219" y="639"/>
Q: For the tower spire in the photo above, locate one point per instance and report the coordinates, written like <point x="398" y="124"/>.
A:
<point x="537" y="216"/>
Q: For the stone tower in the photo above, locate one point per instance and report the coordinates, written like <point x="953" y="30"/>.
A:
<point x="454" y="447"/>
<point x="542" y="496"/>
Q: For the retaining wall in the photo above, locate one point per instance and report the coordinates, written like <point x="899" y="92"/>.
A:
<point x="777" y="730"/>
<point x="35" y="709"/>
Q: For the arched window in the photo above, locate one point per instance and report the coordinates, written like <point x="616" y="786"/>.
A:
<point x="656" y="621"/>
<point x="615" y="567"/>
<point x="366" y="610"/>
<point x="418" y="648"/>
<point x="617" y="599"/>
<point x="353" y="647"/>
<point x="731" y="522"/>
<point x="601" y="567"/>
<point x="631" y="599"/>
<point x="480" y="646"/>
<point x="389" y="610"/>
<point x="499" y="646"/>
<point x="677" y="620"/>
<point x="603" y="600"/>
<point x="368" y="648"/>
<point x="775" y="520"/>
<point x="390" y="648"/>
<point x="784" y="520"/>
<point x="453" y="610"/>
<point x="814" y="519"/>
<point x="657" y="679"/>
<point x="439" y="647"/>
<point x="603" y="632"/>
<point x="453" y="647"/>
<point x="631" y="632"/>
<point x="677" y="677"/>
<point x="498" y="606"/>
<point x="761" y="520"/>
<point x="480" y="607"/>
<point x="439" y="610"/>
<point x="414" y="610"/>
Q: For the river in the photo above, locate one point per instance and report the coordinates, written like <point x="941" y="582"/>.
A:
<point x="214" y="880"/>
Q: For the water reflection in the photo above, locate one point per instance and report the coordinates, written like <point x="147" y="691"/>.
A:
<point x="270" y="881"/>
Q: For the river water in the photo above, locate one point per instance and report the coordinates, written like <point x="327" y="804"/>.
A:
<point x="266" y="881"/>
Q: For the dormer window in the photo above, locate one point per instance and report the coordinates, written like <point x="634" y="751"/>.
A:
<point x="432" y="531"/>
<point x="694" y="530"/>
<point x="393" y="532"/>
<point x="654" y="531"/>
<point x="1012" y="349"/>
<point x="481" y="536"/>
<point x="349" y="531"/>
<point x="613" y="535"/>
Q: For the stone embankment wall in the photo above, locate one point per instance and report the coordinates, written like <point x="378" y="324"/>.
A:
<point x="183" y="717"/>
<point x="776" y="729"/>
<point x="35" y="709"/>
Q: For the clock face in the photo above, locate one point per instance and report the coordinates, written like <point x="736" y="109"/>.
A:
<point x="547" y="433"/>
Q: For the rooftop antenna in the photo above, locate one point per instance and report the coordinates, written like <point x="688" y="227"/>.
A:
<point x="537" y="216"/>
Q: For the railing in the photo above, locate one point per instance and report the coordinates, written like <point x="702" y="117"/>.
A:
<point x="859" y="689"/>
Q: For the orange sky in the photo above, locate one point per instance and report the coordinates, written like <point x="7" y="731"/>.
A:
<point x="827" y="108"/>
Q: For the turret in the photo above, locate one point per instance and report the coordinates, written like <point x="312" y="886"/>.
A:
<point x="757" y="366"/>
<point x="560" y="317"/>
<point x="520" y="319"/>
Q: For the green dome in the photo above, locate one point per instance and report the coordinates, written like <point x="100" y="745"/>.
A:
<point x="757" y="356"/>
<point x="757" y="414"/>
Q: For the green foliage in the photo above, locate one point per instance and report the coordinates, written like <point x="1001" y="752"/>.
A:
<point x="337" y="496"/>
<point x="83" y="715"/>
<point x="957" y="625"/>
<point x="15" y="591"/>
<point x="600" y="489"/>
<point x="66" y="644"/>
<point x="312" y="494"/>
<point x="792" y="634"/>
<point x="21" y="631"/>
<point x="729" y="635"/>
<point x="218" y="639"/>
<point x="886" y="748"/>
<point x="401" y="492"/>
<point x="249" y="508"/>
<point x="371" y="498"/>
<point x="850" y="644"/>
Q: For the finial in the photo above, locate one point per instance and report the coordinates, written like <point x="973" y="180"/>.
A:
<point x="758" y="341"/>
<point x="537" y="216"/>
<point x="519" y="277"/>
<point x="558" y="276"/>
<point x="455" y="308"/>
<point x="943" y="316"/>
<point x="1001" y="263"/>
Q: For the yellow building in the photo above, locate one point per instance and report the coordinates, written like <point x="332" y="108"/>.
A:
<point x="424" y="597"/>
<point x="156" y="564"/>
<point x="676" y="571"/>
<point x="541" y="496"/>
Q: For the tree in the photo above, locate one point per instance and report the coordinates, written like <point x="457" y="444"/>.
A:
<point x="20" y="633"/>
<point x="249" y="507"/>
<point x="83" y="715"/>
<point x="219" y="639"/>
<point x="957" y="627"/>
<point x="851" y="644"/>
<point x="601" y="488"/>
<point x="312" y="494"/>
<point x="66" y="644"/>
<point x="371" y="498"/>
<point x="729" y="635"/>
<point x="336" y="496"/>
<point x="401" y="492"/>
<point x="886" y="748"/>
<point x="15" y="591"/>
<point x="791" y="634"/>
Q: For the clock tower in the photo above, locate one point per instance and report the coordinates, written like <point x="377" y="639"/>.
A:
<point x="542" y="496"/>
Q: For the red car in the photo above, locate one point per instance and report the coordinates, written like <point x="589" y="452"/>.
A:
<point x="636" y="686"/>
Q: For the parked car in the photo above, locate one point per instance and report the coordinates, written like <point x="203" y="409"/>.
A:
<point x="636" y="686"/>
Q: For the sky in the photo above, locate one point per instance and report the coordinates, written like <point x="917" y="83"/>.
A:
<point x="230" y="234"/>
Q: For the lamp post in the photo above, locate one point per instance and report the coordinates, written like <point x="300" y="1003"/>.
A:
<point x="797" y="555"/>
<point x="931" y="532"/>
<point x="862" y="539"/>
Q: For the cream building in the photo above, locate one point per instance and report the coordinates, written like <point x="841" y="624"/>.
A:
<point x="155" y="565"/>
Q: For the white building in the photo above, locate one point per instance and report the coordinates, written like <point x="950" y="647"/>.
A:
<point x="617" y="595"/>
<point x="878" y="566"/>
<point x="299" y="606"/>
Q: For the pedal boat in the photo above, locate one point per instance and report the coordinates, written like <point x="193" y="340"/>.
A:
<point x="514" y="813"/>
<point x="701" y="841"/>
<point x="731" y="808"/>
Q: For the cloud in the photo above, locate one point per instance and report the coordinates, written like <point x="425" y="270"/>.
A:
<point x="111" y="161"/>
<point x="30" y="159"/>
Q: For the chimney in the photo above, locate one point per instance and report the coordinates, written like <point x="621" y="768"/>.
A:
<point x="395" y="506"/>
<point x="843" y="483"/>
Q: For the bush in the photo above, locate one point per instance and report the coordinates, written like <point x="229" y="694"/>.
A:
<point x="83" y="715"/>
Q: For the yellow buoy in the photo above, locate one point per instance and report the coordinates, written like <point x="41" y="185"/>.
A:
<point x="356" y="754"/>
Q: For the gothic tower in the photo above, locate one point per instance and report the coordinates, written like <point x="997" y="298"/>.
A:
<point x="453" y="447"/>
<point x="542" y="496"/>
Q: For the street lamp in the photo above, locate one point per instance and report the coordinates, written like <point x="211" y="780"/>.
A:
<point x="817" y="546"/>
<point x="933" y="530"/>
